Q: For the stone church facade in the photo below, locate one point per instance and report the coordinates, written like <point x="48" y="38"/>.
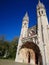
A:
<point x="33" y="45"/>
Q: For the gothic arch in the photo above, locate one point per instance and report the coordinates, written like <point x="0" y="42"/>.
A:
<point x="36" y="52"/>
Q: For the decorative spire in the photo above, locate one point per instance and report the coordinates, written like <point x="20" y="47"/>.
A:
<point x="39" y="1"/>
<point x="26" y="16"/>
<point x="40" y="5"/>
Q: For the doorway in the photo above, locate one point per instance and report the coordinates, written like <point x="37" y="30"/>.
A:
<point x="33" y="53"/>
<point x="28" y="57"/>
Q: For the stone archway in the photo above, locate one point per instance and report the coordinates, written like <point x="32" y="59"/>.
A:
<point x="30" y="53"/>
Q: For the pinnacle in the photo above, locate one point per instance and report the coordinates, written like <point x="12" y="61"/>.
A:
<point x="39" y="2"/>
<point x="26" y="14"/>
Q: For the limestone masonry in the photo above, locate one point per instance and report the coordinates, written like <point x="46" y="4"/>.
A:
<point x="33" y="45"/>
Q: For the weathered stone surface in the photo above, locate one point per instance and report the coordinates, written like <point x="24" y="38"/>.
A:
<point x="38" y="35"/>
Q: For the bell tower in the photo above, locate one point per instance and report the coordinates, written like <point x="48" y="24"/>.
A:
<point x="23" y="34"/>
<point x="43" y="32"/>
<point x="25" y="25"/>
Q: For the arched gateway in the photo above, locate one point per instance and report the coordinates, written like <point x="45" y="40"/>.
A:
<point x="30" y="53"/>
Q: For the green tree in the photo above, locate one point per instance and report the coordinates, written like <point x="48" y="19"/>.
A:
<point x="6" y="49"/>
<point x="13" y="48"/>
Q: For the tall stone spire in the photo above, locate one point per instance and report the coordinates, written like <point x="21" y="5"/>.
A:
<point x="23" y="34"/>
<point x="42" y="32"/>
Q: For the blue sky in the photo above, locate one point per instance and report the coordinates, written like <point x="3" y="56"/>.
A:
<point x="12" y="13"/>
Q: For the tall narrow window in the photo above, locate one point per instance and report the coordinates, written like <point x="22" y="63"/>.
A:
<point x="42" y="12"/>
<point x="39" y="12"/>
<point x="28" y="57"/>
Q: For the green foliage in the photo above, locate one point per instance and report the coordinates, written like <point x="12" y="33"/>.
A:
<point x="8" y="49"/>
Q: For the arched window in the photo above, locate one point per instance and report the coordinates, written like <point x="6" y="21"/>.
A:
<point x="42" y="12"/>
<point x="39" y="12"/>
